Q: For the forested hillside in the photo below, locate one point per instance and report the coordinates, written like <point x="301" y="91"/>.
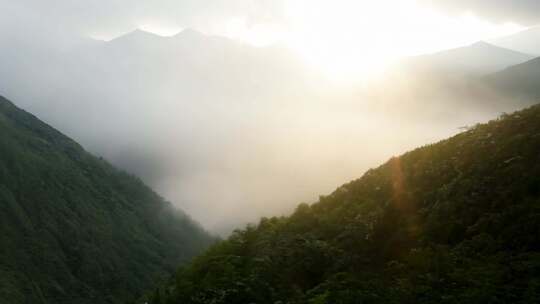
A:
<point x="453" y="222"/>
<point x="73" y="228"/>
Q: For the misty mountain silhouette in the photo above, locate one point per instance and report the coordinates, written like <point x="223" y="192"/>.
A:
<point x="136" y="35"/>
<point x="476" y="59"/>
<point x="521" y="81"/>
<point x="190" y="33"/>
<point x="191" y="38"/>
<point x="169" y="108"/>
<point x="142" y="36"/>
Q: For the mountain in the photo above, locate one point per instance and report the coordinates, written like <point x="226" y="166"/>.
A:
<point x="521" y="81"/>
<point x="453" y="222"/>
<point x="192" y="61"/>
<point x="202" y="111"/>
<point x="136" y="35"/>
<point x="148" y="38"/>
<point x="527" y="41"/>
<point x="448" y="84"/>
<point x="74" y="228"/>
<point x="162" y="106"/>
<point x="478" y="58"/>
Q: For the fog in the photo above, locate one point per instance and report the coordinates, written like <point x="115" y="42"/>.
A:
<point x="226" y="131"/>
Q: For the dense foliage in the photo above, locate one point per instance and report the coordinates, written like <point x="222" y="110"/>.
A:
<point x="73" y="228"/>
<point x="453" y="222"/>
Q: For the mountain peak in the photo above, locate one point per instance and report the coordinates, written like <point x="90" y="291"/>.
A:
<point x="190" y="34"/>
<point x="136" y="35"/>
<point x="483" y="44"/>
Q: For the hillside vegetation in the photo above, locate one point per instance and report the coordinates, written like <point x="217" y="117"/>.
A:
<point x="453" y="222"/>
<point x="73" y="228"/>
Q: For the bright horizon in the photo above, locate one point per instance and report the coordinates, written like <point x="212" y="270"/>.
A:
<point x="355" y="39"/>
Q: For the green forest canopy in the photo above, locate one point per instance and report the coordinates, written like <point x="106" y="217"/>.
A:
<point x="73" y="228"/>
<point x="453" y="222"/>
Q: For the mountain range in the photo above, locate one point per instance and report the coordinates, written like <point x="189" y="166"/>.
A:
<point x="477" y="59"/>
<point x="151" y="100"/>
<point x="214" y="123"/>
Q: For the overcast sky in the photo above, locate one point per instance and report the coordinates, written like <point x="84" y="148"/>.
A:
<point x="109" y="17"/>
<point x="377" y="31"/>
<point x="525" y="12"/>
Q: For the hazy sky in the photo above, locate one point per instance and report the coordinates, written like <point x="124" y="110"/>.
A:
<point x="227" y="131"/>
<point x="332" y="35"/>
<point x="526" y="12"/>
<point x="109" y="16"/>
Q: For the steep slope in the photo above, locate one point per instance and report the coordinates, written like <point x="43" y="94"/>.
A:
<point x="521" y="81"/>
<point x="476" y="59"/>
<point x="453" y="222"/>
<point x="75" y="229"/>
<point x="527" y="41"/>
<point x="150" y="100"/>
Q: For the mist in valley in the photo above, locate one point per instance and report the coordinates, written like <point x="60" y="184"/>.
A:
<point x="228" y="131"/>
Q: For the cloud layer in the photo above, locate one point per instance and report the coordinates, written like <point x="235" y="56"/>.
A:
<point x="526" y="12"/>
<point x="119" y="16"/>
<point x="113" y="17"/>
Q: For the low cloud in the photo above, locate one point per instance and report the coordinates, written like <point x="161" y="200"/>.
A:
<point x="525" y="12"/>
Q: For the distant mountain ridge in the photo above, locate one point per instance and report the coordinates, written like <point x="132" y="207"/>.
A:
<point x="476" y="59"/>
<point x="74" y="228"/>
<point x="521" y="81"/>
<point x="142" y="37"/>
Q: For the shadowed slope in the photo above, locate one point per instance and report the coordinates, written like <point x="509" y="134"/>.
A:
<point x="75" y="229"/>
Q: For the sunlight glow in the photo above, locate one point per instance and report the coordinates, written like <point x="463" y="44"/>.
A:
<point x="358" y="39"/>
